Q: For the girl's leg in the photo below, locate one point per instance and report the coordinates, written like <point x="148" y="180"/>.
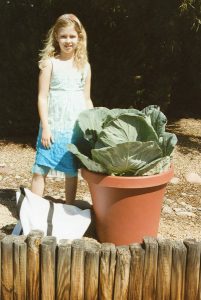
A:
<point x="38" y="184"/>
<point x="70" y="189"/>
<point x="38" y="180"/>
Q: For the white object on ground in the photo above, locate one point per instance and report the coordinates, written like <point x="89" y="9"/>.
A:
<point x="193" y="178"/>
<point x="175" y="180"/>
<point x="68" y="221"/>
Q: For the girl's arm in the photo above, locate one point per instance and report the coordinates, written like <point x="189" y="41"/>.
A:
<point x="43" y="91"/>
<point x="87" y="89"/>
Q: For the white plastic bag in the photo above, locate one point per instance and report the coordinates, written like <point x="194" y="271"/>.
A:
<point x="60" y="220"/>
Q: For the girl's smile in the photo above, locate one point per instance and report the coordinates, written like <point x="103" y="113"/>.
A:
<point x="67" y="38"/>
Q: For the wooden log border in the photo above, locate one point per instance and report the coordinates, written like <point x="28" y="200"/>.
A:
<point x="37" y="267"/>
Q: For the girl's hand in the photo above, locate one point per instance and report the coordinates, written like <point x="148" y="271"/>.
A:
<point x="46" y="138"/>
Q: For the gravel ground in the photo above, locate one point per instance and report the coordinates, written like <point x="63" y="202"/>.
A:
<point x="181" y="213"/>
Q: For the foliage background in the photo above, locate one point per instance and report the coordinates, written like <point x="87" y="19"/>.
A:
<point x="141" y="52"/>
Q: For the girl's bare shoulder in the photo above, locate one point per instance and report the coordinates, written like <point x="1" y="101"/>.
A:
<point x="45" y="63"/>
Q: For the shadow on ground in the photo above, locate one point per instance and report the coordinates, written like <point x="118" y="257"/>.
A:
<point x="186" y="142"/>
<point x="7" y="199"/>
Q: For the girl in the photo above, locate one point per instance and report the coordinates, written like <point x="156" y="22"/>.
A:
<point x="64" y="91"/>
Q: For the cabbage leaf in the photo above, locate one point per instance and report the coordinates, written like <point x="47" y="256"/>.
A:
<point x="124" y="142"/>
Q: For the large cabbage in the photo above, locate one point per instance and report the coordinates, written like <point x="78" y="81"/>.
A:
<point x="123" y="142"/>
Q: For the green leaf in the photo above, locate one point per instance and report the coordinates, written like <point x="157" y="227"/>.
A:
<point x="155" y="167"/>
<point x="79" y="140"/>
<point x="87" y="162"/>
<point x="90" y="122"/>
<point x="124" y="142"/>
<point x="116" y="112"/>
<point x="157" y="119"/>
<point x="126" y="158"/>
<point x="167" y="142"/>
<point x="126" y="128"/>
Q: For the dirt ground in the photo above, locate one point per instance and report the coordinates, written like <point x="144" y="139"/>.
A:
<point x="181" y="213"/>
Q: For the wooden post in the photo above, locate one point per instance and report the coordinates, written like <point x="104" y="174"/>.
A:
<point x="33" y="264"/>
<point x="48" y="246"/>
<point x="2" y="235"/>
<point x="107" y="271"/>
<point x="199" y="287"/>
<point x="122" y="273"/>
<point x="178" y="271"/>
<point x="77" y="270"/>
<point x="63" y="270"/>
<point x="20" y="264"/>
<point x="136" y="272"/>
<point x="7" y="268"/>
<point x="91" y="270"/>
<point x="150" y="269"/>
<point x="164" y="270"/>
<point x="192" y="269"/>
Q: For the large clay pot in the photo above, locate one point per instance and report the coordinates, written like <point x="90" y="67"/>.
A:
<point x="126" y="208"/>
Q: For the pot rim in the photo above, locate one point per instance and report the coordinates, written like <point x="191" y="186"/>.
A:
<point x="128" y="181"/>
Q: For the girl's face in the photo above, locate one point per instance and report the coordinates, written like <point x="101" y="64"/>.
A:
<point x="67" y="37"/>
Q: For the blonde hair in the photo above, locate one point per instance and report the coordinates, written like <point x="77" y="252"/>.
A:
<point x="51" y="48"/>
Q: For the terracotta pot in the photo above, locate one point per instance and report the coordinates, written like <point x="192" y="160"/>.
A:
<point x="126" y="208"/>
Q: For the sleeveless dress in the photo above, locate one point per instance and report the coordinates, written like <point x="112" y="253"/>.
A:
<point x="65" y="102"/>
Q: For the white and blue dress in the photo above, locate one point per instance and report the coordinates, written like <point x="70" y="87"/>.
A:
<point x="65" y="102"/>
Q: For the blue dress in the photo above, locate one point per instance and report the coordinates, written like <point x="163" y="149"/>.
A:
<point x="65" y="102"/>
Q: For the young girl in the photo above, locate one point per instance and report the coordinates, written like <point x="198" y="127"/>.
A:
<point x="64" y="91"/>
